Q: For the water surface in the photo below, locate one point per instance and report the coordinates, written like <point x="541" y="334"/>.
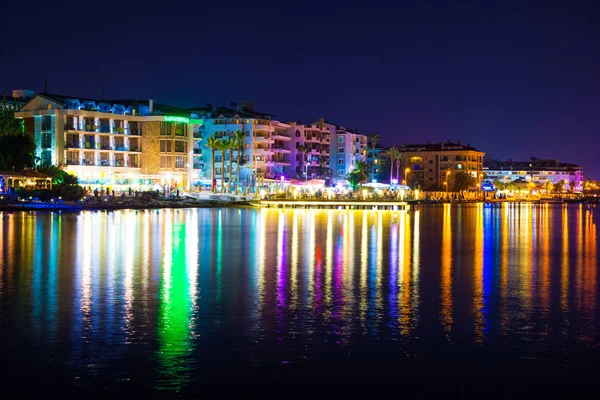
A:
<point x="163" y="301"/>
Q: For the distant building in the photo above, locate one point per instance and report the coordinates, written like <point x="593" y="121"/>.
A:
<point x="117" y="143"/>
<point x="433" y="165"/>
<point x="347" y="147"/>
<point x="18" y="98"/>
<point x="536" y="171"/>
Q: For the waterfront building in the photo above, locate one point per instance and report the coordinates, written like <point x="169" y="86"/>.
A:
<point x="434" y="165"/>
<point x="379" y="163"/>
<point x="537" y="171"/>
<point x="310" y="150"/>
<point x="346" y="148"/>
<point x="116" y="143"/>
<point x="266" y="152"/>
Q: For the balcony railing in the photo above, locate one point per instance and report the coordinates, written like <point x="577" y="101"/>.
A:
<point x="104" y="129"/>
<point x="105" y="147"/>
<point x="73" y="145"/>
<point x="134" y="148"/>
<point x="197" y="151"/>
<point x="134" y="132"/>
<point x="70" y="127"/>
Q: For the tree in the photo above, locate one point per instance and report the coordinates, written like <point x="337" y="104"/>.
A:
<point x="213" y="144"/>
<point x="394" y="154"/>
<point x="9" y="125"/>
<point x="303" y="150"/>
<point x="222" y="147"/>
<point x="228" y="145"/>
<point x="571" y="186"/>
<point x="239" y="141"/>
<point x="464" y="181"/>
<point x="16" y="151"/>
<point x="373" y="138"/>
<point x="59" y="176"/>
<point x="359" y="175"/>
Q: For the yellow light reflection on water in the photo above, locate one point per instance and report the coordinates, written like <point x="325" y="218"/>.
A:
<point x="446" y="271"/>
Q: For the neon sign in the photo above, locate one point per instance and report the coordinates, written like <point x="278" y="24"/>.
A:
<point x="177" y="119"/>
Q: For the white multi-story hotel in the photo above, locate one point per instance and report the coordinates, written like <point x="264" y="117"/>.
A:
<point x="266" y="148"/>
<point x="538" y="171"/>
<point x="347" y="147"/>
<point x="120" y="143"/>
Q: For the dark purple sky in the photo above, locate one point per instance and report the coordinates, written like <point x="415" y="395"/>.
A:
<point x="515" y="80"/>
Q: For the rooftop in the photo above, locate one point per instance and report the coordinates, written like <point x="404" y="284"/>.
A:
<point x="210" y="111"/>
<point x="443" y="146"/>
<point x="107" y="105"/>
<point x="538" y="165"/>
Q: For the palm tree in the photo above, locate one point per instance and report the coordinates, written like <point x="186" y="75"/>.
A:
<point x="213" y="144"/>
<point x="222" y="147"/>
<point x="393" y="153"/>
<point x="360" y="174"/>
<point x="228" y="145"/>
<point x="239" y="139"/>
<point x="373" y="139"/>
<point x="303" y="150"/>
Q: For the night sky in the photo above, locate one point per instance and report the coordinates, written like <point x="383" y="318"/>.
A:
<point x="514" y="80"/>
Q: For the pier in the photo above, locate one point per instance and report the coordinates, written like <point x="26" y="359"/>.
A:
<point x="336" y="205"/>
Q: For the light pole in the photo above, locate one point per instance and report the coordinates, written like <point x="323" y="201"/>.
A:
<point x="446" y="183"/>
<point x="406" y="171"/>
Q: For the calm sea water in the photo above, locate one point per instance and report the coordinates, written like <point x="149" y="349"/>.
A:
<point x="163" y="301"/>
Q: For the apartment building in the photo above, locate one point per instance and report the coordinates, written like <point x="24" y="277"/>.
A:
<point x="117" y="143"/>
<point x="347" y="147"/>
<point x="433" y="166"/>
<point x="310" y="150"/>
<point x="266" y="152"/>
<point x="537" y="171"/>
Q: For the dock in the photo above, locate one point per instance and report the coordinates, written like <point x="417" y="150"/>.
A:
<point x="337" y="205"/>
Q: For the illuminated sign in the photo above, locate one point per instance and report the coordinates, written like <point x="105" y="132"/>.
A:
<point x="177" y="119"/>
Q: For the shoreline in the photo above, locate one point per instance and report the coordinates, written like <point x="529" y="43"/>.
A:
<point x="212" y="204"/>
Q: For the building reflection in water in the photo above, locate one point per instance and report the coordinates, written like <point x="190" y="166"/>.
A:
<point x="306" y="280"/>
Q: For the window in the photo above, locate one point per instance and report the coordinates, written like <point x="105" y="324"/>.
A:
<point x="46" y="140"/>
<point x="340" y="149"/>
<point x="180" y="146"/>
<point x="340" y="172"/>
<point x="166" y="162"/>
<point x="179" y="162"/>
<point x="179" y="129"/>
<point x="46" y="122"/>
<point x="297" y="134"/>
<point x="430" y="161"/>
<point x="218" y="158"/>
<point x="340" y="161"/>
<point x="340" y="139"/>
<point x="166" y="129"/>
<point x="165" y="146"/>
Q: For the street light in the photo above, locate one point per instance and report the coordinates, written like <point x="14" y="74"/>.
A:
<point x="446" y="183"/>
<point x="406" y="171"/>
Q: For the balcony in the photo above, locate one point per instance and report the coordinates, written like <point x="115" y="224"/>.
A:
<point x="261" y="127"/>
<point x="72" y="145"/>
<point x="122" y="148"/>
<point x="197" y="151"/>
<point x="134" y="132"/>
<point x="74" y="162"/>
<point x="91" y="128"/>
<point x="105" y="147"/>
<point x="118" y="130"/>
<point x="281" y="149"/>
<point x="104" y="129"/>
<point x="279" y="136"/>
<point x="135" y="148"/>
<point x="70" y="127"/>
